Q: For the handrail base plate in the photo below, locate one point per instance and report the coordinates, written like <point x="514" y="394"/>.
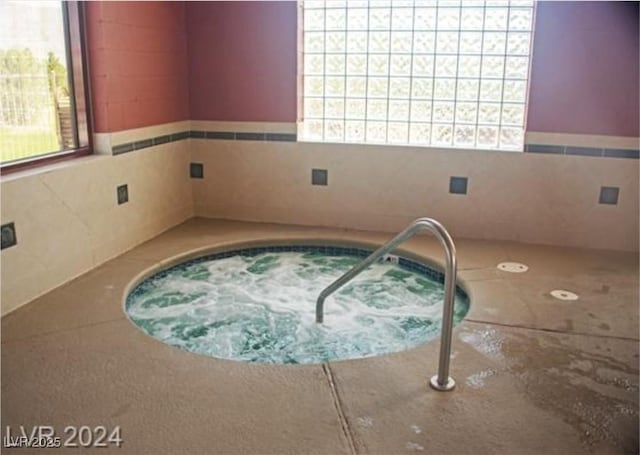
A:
<point x="448" y="386"/>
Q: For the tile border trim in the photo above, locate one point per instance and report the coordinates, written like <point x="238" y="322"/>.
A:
<point x="595" y="152"/>
<point x="195" y="134"/>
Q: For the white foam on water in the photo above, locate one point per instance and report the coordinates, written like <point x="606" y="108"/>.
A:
<point x="262" y="308"/>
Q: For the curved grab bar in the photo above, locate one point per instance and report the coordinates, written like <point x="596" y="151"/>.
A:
<point x="442" y="381"/>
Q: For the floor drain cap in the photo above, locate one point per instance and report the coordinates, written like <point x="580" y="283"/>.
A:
<point x="512" y="267"/>
<point x="562" y="294"/>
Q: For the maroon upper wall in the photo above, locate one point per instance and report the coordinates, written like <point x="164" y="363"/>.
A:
<point x="242" y="60"/>
<point x="138" y="63"/>
<point x="584" y="74"/>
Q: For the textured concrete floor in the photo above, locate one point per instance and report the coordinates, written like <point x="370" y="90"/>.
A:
<point x="534" y="374"/>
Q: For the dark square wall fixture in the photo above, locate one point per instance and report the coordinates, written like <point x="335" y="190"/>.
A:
<point x="458" y="185"/>
<point x="319" y="177"/>
<point x="609" y="195"/>
<point x="8" y="232"/>
<point x="123" y="194"/>
<point x="196" y="170"/>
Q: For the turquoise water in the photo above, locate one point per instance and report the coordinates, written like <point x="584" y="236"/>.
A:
<point x="261" y="308"/>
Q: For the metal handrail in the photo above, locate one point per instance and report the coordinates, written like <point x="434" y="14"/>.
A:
<point x="442" y="381"/>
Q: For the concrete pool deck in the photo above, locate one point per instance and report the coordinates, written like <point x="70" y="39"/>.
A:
<point x="534" y="374"/>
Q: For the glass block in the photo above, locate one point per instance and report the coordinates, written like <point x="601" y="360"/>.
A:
<point x="358" y="18"/>
<point x="494" y="43"/>
<point x="401" y="41"/>
<point x="334" y="131"/>
<point x="466" y="112"/>
<point x="400" y="87"/>
<point x="313" y="64"/>
<point x="400" y="65"/>
<point x="423" y="65"/>
<point x="422" y="88"/>
<point x="402" y="3"/>
<point x="425" y="18"/>
<point x="496" y="18"/>
<point x="313" y="4"/>
<point x="465" y="136"/>
<point x="421" y="111"/>
<point x="517" y="67"/>
<point x="379" y="18"/>
<point x="379" y="42"/>
<point x="444" y="89"/>
<point x="471" y="42"/>
<point x="357" y="65"/>
<point x="354" y="131"/>
<point x="447" y="42"/>
<point x="378" y="87"/>
<point x="515" y="91"/>
<point x="336" y="19"/>
<point x="518" y="43"/>
<point x="446" y="65"/>
<point x="469" y="66"/>
<point x="520" y="18"/>
<point x="377" y="109"/>
<point x="379" y="3"/>
<point x="402" y="18"/>
<point x="313" y="19"/>
<point x="472" y="18"/>
<point x="513" y="114"/>
<point x="335" y="64"/>
<point x="335" y="42"/>
<point x="448" y="18"/>
<point x="443" y="111"/>
<point x="424" y="42"/>
<point x="334" y="108"/>
<point x="488" y="136"/>
<point x="419" y="133"/>
<point x="493" y="67"/>
<point x="334" y="86"/>
<point x="313" y="107"/>
<point x="356" y="86"/>
<point x="357" y="42"/>
<point x="490" y="90"/>
<point x="379" y="65"/>
<point x="468" y="89"/>
<point x="489" y="113"/>
<point x="313" y="129"/>
<point x="398" y="133"/>
<point x="356" y="108"/>
<point x="511" y="138"/>
<point x="314" y="41"/>
<point x="399" y="110"/>
<point x="376" y="131"/>
<point x="313" y="86"/>
<point x="442" y="135"/>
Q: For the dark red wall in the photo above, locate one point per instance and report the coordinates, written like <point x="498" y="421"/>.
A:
<point x="242" y="60"/>
<point x="585" y="75"/>
<point x="138" y="63"/>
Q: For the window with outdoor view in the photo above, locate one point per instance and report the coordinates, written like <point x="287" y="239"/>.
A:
<point x="429" y="73"/>
<point x="39" y="108"/>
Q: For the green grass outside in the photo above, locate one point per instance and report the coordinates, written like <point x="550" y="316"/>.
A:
<point x="19" y="143"/>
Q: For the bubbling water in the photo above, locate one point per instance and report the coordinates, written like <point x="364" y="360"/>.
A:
<point x="261" y="308"/>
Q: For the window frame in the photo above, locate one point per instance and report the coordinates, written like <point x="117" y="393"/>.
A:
<point x="74" y="22"/>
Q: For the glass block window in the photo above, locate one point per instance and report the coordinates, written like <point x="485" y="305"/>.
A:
<point x="430" y="73"/>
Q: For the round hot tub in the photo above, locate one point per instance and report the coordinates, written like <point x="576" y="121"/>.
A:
<point x="258" y="305"/>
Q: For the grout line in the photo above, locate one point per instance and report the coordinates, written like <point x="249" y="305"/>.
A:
<point x="68" y="329"/>
<point x="541" y="329"/>
<point x="337" y="402"/>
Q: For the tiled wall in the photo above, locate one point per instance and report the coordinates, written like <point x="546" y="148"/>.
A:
<point x="528" y="197"/>
<point x="138" y="63"/>
<point x="68" y="219"/>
